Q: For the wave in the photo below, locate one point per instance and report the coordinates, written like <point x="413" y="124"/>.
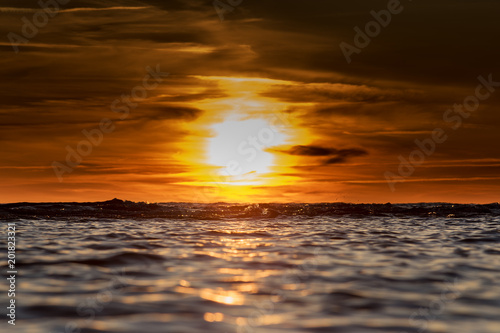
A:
<point x="118" y="209"/>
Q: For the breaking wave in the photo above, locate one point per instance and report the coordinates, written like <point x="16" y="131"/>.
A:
<point x="116" y="208"/>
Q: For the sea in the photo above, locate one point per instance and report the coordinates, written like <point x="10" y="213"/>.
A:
<point x="135" y="267"/>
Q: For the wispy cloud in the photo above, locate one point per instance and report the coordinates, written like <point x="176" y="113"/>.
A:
<point x="68" y="10"/>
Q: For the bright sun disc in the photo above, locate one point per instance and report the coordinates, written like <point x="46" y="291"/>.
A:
<point x="240" y="149"/>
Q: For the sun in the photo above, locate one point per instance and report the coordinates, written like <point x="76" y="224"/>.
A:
<point x="243" y="135"/>
<point x="240" y="149"/>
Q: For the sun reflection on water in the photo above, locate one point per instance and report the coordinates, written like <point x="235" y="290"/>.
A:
<point x="227" y="297"/>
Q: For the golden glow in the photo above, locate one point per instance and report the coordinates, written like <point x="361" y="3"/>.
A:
<point x="242" y="129"/>
<point x="211" y="317"/>
<point x="223" y="296"/>
<point x="185" y="283"/>
<point x="240" y="150"/>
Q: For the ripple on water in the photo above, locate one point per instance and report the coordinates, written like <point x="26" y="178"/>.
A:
<point x="288" y="274"/>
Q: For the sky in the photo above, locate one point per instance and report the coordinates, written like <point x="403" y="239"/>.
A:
<point x="250" y="101"/>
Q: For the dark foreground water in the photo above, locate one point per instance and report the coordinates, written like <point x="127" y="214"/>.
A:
<point x="123" y="267"/>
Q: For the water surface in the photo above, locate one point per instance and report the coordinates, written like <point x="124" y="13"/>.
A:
<point x="259" y="270"/>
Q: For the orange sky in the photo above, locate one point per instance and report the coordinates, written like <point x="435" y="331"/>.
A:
<point x="260" y="107"/>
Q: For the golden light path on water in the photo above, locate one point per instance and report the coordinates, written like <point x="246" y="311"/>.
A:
<point x="244" y="282"/>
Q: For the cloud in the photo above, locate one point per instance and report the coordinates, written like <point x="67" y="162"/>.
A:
<point x="336" y="156"/>
<point x="311" y="151"/>
<point x="166" y="112"/>
<point x="395" y="91"/>
<point x="342" y="155"/>
<point x="70" y="10"/>
<point x="336" y="92"/>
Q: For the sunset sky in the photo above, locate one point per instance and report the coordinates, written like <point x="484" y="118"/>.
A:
<point x="259" y="107"/>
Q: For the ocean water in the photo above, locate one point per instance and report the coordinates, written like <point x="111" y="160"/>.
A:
<point x="133" y="267"/>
